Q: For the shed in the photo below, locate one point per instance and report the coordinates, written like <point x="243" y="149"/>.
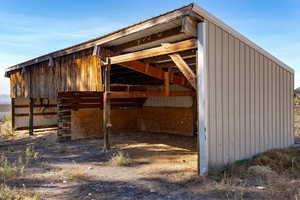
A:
<point x="183" y="72"/>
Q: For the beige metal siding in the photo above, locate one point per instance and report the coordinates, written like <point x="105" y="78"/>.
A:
<point x="249" y="100"/>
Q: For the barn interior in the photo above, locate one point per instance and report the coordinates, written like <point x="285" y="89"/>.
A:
<point x="137" y="80"/>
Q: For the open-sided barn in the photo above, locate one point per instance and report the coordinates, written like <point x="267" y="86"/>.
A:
<point x="184" y="72"/>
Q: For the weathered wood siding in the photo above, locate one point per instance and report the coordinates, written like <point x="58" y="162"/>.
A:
<point x="44" y="113"/>
<point x="75" y="72"/>
<point x="249" y="100"/>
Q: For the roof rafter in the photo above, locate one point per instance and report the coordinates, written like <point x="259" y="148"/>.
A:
<point x="147" y="69"/>
<point x="156" y="51"/>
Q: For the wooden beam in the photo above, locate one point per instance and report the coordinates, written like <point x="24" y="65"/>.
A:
<point x="167" y="84"/>
<point x="106" y="106"/>
<point x="147" y="69"/>
<point x="189" y="61"/>
<point x="154" y="72"/>
<point x="13" y="120"/>
<point x="184" y="68"/>
<point x="157" y="51"/>
<point x="189" y="26"/>
<point x="150" y="38"/>
<point x="165" y="58"/>
<point x="201" y="99"/>
<point x="146" y="94"/>
<point x="36" y="106"/>
<point x="35" y="114"/>
<point x="31" y="106"/>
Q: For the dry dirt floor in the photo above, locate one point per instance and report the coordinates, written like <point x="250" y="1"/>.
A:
<point x="162" y="166"/>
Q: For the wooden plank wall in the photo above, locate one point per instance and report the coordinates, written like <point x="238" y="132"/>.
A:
<point x="74" y="101"/>
<point x="75" y="72"/>
<point x="44" y="113"/>
<point x="19" y="85"/>
<point x="249" y="100"/>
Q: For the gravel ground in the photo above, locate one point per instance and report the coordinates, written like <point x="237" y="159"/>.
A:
<point x="162" y="167"/>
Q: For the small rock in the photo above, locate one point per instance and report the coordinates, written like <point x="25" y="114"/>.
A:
<point x="90" y="194"/>
<point x="152" y="190"/>
<point x="260" y="187"/>
<point x="89" y="168"/>
<point x="64" y="181"/>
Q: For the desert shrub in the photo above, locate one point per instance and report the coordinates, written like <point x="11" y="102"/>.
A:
<point x="280" y="161"/>
<point x="8" y="171"/>
<point x="120" y="159"/>
<point x="7" y="193"/>
<point x="264" y="172"/>
<point x="29" y="154"/>
<point x="11" y="170"/>
<point x="265" y="166"/>
<point x="75" y="174"/>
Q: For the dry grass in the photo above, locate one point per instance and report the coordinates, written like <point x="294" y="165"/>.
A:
<point x="6" y="129"/>
<point x="7" y="193"/>
<point x="276" y="171"/>
<point x="120" y="159"/>
<point x="11" y="170"/>
<point x="263" y="172"/>
<point x="286" y="161"/>
<point x="75" y="174"/>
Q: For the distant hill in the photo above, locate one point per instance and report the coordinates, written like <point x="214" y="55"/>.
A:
<point x="4" y="99"/>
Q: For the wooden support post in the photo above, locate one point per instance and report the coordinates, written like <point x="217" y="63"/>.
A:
<point x="13" y="120"/>
<point x="167" y="83"/>
<point x="195" y="115"/>
<point x="201" y="99"/>
<point x="31" y="106"/>
<point x="106" y="106"/>
<point x="184" y="68"/>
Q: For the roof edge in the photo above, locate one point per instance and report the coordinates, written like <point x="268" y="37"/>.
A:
<point x="105" y="38"/>
<point x="208" y="16"/>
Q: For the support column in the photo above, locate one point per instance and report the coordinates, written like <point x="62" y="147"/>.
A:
<point x="106" y="106"/>
<point x="167" y="83"/>
<point x="31" y="106"/>
<point x="195" y="116"/>
<point x="201" y="98"/>
<point x="13" y="120"/>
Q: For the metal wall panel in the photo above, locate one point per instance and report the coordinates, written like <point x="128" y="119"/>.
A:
<point x="249" y="100"/>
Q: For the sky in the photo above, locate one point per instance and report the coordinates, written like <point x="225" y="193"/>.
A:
<point x="35" y="27"/>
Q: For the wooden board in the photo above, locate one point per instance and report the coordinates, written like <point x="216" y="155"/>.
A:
<point x="88" y="123"/>
<point x="169" y="120"/>
<point x="70" y="73"/>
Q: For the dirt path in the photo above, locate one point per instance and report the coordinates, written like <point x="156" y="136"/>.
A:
<point x="80" y="169"/>
<point x="162" y="167"/>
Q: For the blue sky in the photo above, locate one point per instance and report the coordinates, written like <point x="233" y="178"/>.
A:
<point x="34" y="27"/>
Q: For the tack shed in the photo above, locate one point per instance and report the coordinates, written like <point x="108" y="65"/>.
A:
<point x="182" y="72"/>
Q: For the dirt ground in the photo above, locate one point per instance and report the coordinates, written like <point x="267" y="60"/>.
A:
<point x="162" y="166"/>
